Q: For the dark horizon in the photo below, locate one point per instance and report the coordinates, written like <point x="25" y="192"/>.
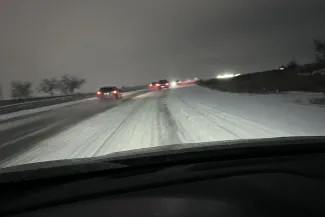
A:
<point x="136" y="42"/>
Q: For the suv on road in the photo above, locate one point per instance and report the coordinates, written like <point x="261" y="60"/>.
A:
<point x="163" y="84"/>
<point x="109" y="93"/>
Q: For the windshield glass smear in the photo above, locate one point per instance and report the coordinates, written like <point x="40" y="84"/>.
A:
<point x="89" y="79"/>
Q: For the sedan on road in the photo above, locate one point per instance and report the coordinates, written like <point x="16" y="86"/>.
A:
<point x="109" y="93"/>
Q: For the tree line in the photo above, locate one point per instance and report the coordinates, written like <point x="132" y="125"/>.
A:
<point x="319" y="47"/>
<point x="319" y="51"/>
<point x="65" y="85"/>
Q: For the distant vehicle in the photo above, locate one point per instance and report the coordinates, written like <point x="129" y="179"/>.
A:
<point x="153" y="85"/>
<point x="109" y="93"/>
<point x="163" y="84"/>
<point x="173" y="83"/>
<point x="180" y="82"/>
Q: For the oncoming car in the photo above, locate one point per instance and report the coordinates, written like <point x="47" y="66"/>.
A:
<point x="109" y="93"/>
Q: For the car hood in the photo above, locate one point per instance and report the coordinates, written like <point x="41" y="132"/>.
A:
<point x="163" y="154"/>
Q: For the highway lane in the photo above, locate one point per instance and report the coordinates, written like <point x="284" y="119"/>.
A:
<point x="23" y="132"/>
<point x="191" y="114"/>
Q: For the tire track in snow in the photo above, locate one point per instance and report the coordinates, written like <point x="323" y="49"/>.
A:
<point x="208" y="121"/>
<point x="114" y="133"/>
<point x="235" y="126"/>
<point x="149" y="125"/>
<point x="170" y="126"/>
<point x="210" y="115"/>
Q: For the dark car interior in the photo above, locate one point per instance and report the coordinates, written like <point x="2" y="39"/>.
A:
<point x="272" y="178"/>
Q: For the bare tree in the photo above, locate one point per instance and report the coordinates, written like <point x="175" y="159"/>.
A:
<point x="64" y="84"/>
<point x="69" y="84"/>
<point x="20" y="90"/>
<point x="48" y="86"/>
<point x="319" y="51"/>
<point x="292" y="64"/>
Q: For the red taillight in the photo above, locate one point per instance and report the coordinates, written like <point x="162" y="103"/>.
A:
<point x="167" y="84"/>
<point x="115" y="92"/>
<point x="98" y="92"/>
<point x="150" y="85"/>
<point x="157" y="85"/>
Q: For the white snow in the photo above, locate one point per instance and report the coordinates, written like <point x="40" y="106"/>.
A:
<point x="181" y="115"/>
<point x="15" y="123"/>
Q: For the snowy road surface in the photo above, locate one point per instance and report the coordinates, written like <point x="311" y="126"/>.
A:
<point x="182" y="115"/>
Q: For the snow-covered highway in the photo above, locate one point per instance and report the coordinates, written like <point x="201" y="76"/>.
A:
<point x="190" y="114"/>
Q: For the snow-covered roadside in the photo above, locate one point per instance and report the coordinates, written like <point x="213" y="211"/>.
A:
<point x="297" y="97"/>
<point x="275" y="111"/>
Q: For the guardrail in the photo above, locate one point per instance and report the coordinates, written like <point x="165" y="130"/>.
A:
<point x="9" y="106"/>
<point x="34" y="99"/>
<point x="5" y="117"/>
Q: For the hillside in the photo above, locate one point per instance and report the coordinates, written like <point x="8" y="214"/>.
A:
<point x="308" y="78"/>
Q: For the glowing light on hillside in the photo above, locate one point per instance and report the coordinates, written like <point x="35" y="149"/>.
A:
<point x="227" y="75"/>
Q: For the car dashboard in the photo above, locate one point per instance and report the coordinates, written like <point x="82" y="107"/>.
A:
<point x="288" y="183"/>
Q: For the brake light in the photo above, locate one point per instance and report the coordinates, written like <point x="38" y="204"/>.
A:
<point x="157" y="85"/>
<point x="98" y="92"/>
<point x="150" y="85"/>
<point x="115" y="92"/>
<point x="167" y="83"/>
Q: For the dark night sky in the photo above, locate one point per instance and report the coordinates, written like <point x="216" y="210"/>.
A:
<point x="130" y="42"/>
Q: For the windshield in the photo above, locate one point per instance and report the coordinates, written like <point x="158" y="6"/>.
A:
<point x="189" y="71"/>
<point x="107" y="89"/>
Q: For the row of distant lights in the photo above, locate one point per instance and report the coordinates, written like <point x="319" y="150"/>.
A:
<point x="174" y="83"/>
<point x="231" y="75"/>
<point x="227" y="75"/>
